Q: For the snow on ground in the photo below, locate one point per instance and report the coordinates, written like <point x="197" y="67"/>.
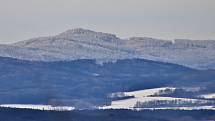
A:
<point x="38" y="107"/>
<point x="130" y="103"/>
<point x="208" y="96"/>
<point x="180" y="108"/>
<point x="86" y="44"/>
<point x="146" y="96"/>
<point x="143" y="93"/>
<point x="148" y="92"/>
<point x="170" y="108"/>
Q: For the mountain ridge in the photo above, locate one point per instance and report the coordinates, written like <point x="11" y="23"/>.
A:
<point x="87" y="44"/>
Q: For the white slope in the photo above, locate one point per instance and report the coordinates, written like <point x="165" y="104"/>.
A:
<point x="86" y="44"/>
<point x="80" y="44"/>
<point x="146" y="96"/>
<point x="38" y="107"/>
<point x="149" y="92"/>
<point x="143" y="93"/>
<point x="208" y="96"/>
<point x="32" y="54"/>
<point x="70" y="45"/>
<point x="180" y="108"/>
<point x="130" y="103"/>
<point x="192" y="53"/>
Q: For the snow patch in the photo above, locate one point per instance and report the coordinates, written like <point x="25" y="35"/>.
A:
<point x="143" y="93"/>
<point x="208" y="96"/>
<point x="130" y="103"/>
<point x="148" y="95"/>
<point x="38" y="107"/>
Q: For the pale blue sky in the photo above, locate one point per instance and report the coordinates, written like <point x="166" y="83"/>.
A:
<point x="166" y="19"/>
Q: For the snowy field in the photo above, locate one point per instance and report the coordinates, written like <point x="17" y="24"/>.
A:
<point x="143" y="93"/>
<point x="38" y="107"/>
<point x="130" y="103"/>
<point x="208" y="96"/>
<point x="148" y="92"/>
<point x="148" y="95"/>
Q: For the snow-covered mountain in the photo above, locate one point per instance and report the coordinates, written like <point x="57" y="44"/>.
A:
<point x="69" y="45"/>
<point x="86" y="44"/>
<point x="192" y="53"/>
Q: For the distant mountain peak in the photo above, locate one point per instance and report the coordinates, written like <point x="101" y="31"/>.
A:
<point x="88" y="35"/>
<point x="77" y="31"/>
<point x="81" y="31"/>
<point x="76" y="35"/>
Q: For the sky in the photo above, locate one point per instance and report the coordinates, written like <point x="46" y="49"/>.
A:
<point x="165" y="19"/>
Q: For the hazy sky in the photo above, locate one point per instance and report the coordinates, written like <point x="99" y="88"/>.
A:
<point x="168" y="19"/>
